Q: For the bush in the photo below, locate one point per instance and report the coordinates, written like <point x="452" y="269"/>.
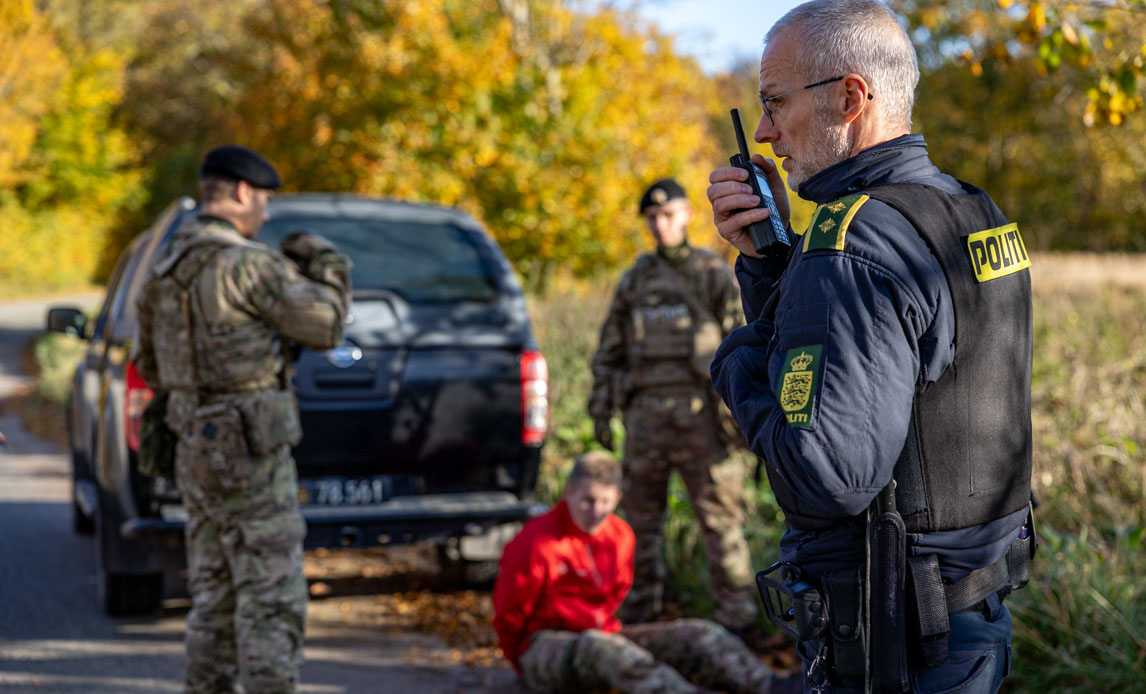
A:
<point x="56" y="357"/>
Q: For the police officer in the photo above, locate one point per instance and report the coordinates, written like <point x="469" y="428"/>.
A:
<point x="884" y="377"/>
<point x="212" y="320"/>
<point x="670" y="311"/>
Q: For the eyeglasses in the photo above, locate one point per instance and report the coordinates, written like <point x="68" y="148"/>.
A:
<point x="768" y="111"/>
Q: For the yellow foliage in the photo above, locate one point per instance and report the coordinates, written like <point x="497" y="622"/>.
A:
<point x="547" y="130"/>
<point x="64" y="171"/>
<point x="31" y="66"/>
<point x="47" y="250"/>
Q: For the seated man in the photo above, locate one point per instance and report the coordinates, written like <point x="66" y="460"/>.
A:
<point x="562" y="578"/>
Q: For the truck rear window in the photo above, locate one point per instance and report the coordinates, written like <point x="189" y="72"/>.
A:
<point x="419" y="262"/>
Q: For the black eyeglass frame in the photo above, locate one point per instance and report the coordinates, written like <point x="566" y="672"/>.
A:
<point x="768" y="112"/>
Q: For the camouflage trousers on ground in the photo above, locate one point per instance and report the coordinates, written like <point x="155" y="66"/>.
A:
<point x="244" y="567"/>
<point x="659" y="658"/>
<point x="666" y="433"/>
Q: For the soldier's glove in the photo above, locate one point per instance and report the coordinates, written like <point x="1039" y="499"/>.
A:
<point x="303" y="245"/>
<point x="603" y="432"/>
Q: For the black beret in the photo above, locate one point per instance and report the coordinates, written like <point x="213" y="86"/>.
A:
<point x="235" y="163"/>
<point x="661" y="192"/>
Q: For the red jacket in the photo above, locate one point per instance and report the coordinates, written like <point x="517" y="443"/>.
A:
<point x="556" y="576"/>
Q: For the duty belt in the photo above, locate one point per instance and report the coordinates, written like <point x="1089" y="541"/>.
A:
<point x="864" y="617"/>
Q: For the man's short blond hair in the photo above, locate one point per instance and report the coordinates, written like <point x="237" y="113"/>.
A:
<point x="215" y="189"/>
<point x="595" y="466"/>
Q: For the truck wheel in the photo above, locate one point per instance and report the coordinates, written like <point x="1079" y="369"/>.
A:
<point x="122" y="594"/>
<point x="125" y="595"/>
<point x="81" y="524"/>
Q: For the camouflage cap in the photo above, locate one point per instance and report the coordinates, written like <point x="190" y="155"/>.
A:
<point x="661" y="192"/>
<point x="236" y="163"/>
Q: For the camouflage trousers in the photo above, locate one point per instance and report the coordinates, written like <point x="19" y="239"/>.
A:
<point x="666" y="433"/>
<point x="244" y="567"/>
<point x="676" y="657"/>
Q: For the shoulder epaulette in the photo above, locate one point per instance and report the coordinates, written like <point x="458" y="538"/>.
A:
<point x="830" y="223"/>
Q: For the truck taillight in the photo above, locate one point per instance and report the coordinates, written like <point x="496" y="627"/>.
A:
<point x="135" y="397"/>
<point x="534" y="398"/>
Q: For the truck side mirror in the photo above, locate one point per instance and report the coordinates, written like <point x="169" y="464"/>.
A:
<point x="67" y="320"/>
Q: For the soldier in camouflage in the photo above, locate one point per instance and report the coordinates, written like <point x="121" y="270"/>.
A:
<point x="213" y="317"/>
<point x="561" y="579"/>
<point x="670" y="313"/>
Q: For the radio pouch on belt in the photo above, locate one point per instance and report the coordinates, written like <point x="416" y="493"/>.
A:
<point x="844" y="591"/>
<point x="888" y="543"/>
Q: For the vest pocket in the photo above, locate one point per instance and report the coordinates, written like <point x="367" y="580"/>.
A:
<point x="271" y="420"/>
<point x="220" y="455"/>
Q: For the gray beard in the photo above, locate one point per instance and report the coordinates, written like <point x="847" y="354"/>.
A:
<point x="831" y="147"/>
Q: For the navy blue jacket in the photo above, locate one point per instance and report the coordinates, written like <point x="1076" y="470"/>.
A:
<point x="881" y="315"/>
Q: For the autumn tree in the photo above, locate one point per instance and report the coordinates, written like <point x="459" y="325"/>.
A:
<point x="1006" y="119"/>
<point x="31" y="68"/>
<point x="1098" y="45"/>
<point x="544" y="122"/>
<point x="65" y="172"/>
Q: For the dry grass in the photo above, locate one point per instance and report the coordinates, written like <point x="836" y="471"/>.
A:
<point x="1073" y="271"/>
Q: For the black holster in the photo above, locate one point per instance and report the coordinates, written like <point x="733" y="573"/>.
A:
<point x="887" y="549"/>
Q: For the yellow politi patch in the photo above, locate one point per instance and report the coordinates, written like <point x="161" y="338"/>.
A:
<point x="997" y="252"/>
<point x="830" y="222"/>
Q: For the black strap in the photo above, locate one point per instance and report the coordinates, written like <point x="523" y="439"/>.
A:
<point x="975" y="587"/>
<point x="928" y="608"/>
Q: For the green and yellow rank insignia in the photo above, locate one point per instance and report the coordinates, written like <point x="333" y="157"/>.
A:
<point x="830" y="222"/>
<point x="798" y="383"/>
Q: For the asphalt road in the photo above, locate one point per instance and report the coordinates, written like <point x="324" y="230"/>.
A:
<point x="55" y="639"/>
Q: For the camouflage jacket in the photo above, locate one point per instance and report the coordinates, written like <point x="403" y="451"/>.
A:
<point x="666" y="321"/>
<point x="243" y="298"/>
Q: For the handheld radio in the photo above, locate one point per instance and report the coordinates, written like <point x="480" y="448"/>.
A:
<point x="769" y="236"/>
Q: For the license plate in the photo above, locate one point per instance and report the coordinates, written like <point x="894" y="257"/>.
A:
<point x="345" y="491"/>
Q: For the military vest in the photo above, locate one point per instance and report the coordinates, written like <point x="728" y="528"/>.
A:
<point x="670" y="331"/>
<point x="967" y="457"/>
<point x="202" y="349"/>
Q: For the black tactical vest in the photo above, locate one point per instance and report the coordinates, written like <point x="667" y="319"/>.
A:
<point x="967" y="457"/>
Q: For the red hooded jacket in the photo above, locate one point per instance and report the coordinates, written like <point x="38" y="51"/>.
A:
<point x="556" y="576"/>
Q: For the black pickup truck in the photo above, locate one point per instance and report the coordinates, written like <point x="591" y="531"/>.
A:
<point x="427" y="423"/>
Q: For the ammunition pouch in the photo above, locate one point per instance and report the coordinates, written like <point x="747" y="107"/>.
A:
<point x="270" y="420"/>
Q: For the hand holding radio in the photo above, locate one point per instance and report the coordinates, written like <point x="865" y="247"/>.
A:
<point x="747" y="213"/>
